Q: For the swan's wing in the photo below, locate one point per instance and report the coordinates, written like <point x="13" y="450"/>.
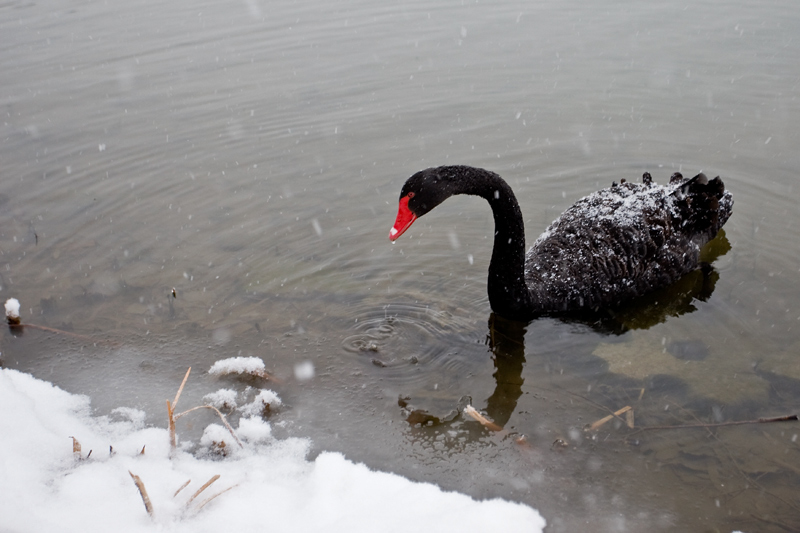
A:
<point x="609" y="247"/>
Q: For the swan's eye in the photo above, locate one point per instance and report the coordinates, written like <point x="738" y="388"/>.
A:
<point x="410" y="195"/>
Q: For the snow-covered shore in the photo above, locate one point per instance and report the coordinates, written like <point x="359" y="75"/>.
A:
<point x="273" y="487"/>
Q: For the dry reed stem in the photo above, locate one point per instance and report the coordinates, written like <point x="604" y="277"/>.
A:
<point x="173" y="442"/>
<point x="629" y="418"/>
<point x="201" y="489"/>
<point x="605" y="419"/>
<point x="214" y="496"/>
<point x="145" y="498"/>
<point x="173" y="439"/>
<point x="182" y="487"/>
<point x="76" y="448"/>
<point x="221" y="416"/>
<point x="180" y="389"/>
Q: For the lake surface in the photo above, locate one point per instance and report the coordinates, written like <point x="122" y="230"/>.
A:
<point x="250" y="156"/>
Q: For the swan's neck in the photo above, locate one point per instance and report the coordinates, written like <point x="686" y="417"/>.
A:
<point x="509" y="295"/>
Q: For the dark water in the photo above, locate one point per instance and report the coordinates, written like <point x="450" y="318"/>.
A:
<point x="250" y="155"/>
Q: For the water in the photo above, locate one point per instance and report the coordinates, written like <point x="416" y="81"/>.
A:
<point x="250" y="156"/>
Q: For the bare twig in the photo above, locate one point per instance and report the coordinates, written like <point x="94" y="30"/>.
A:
<point x="62" y="332"/>
<point x="221" y="416"/>
<point x="173" y="440"/>
<point x="145" y="498"/>
<point x="605" y="419"/>
<point x="787" y="418"/>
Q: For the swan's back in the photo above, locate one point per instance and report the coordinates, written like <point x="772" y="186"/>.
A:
<point x="625" y="241"/>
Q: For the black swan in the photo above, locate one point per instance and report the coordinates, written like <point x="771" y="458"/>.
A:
<point x="609" y="247"/>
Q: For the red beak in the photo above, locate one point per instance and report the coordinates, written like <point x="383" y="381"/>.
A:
<point x="404" y="219"/>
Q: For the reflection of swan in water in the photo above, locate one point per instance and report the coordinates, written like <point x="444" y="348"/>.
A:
<point x="506" y="338"/>
<point x="507" y="342"/>
<point x="674" y="300"/>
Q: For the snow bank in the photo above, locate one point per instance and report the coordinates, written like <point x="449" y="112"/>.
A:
<point x="274" y="487"/>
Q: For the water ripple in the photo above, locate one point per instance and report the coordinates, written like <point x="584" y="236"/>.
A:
<point x="410" y="337"/>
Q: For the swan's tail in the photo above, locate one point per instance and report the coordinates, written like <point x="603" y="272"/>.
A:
<point x="704" y="206"/>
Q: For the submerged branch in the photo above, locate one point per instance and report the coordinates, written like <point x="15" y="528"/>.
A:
<point x="605" y="419"/>
<point x="61" y="332"/>
<point x="787" y="418"/>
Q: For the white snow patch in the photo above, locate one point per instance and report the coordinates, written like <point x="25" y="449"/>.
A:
<point x="274" y="487"/>
<point x="263" y="400"/>
<point x="222" y="399"/>
<point x="12" y="308"/>
<point x="237" y="365"/>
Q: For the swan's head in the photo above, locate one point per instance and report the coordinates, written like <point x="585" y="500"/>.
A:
<point x="422" y="192"/>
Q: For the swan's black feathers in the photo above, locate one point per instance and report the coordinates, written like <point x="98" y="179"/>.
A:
<point x="625" y="241"/>
<point x="609" y="247"/>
